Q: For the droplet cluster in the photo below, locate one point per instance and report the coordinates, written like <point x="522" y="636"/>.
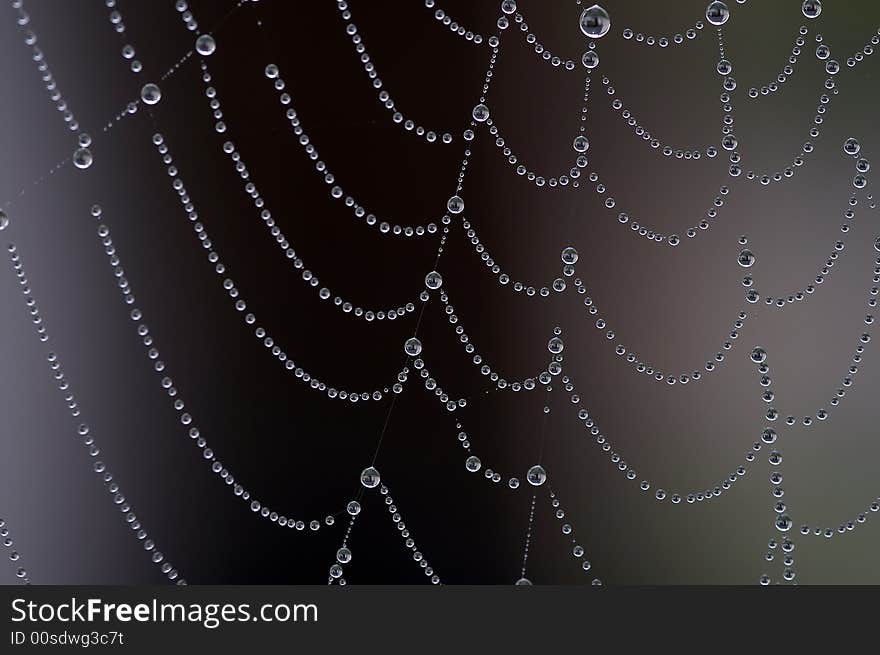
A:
<point x="185" y="417"/>
<point x="594" y="23"/>
<point x="431" y="136"/>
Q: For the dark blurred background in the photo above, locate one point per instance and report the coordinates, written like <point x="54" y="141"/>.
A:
<point x="301" y="452"/>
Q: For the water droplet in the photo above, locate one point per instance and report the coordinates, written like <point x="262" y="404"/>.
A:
<point x="595" y="22"/>
<point x="590" y="59"/>
<point x="746" y="258"/>
<point x="851" y="146"/>
<point x="206" y="45"/>
<point x="481" y="113"/>
<point x="82" y="158"/>
<point x="784" y="523"/>
<point x="472" y="464"/>
<point x="412" y="347"/>
<point x="433" y="280"/>
<point x="536" y="475"/>
<point x="151" y="94"/>
<point x="370" y="477"/>
<point x="569" y="255"/>
<point x="811" y="8"/>
<point x="717" y="13"/>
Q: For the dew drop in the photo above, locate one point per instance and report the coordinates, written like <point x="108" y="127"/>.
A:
<point x="206" y="45"/>
<point x="595" y="22"/>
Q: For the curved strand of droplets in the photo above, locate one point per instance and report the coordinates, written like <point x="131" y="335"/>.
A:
<point x="536" y="477"/>
<point x="454" y="27"/>
<point x="308" y="276"/>
<point x="664" y="40"/>
<point x="567" y="529"/>
<point x="623" y="218"/>
<point x="650" y="234"/>
<point x="228" y="285"/>
<point x="431" y="384"/>
<point x="845" y="526"/>
<point x="766" y="177"/>
<point x="336" y="191"/>
<point x="474" y="464"/>
<point x="558" y="285"/>
<point x="759" y="357"/>
<point x="409" y="543"/>
<point x="645" y="368"/>
<point x="186" y="419"/>
<point x="580" y="144"/>
<point x="746" y="258"/>
<point x="14" y="556"/>
<point x="729" y="140"/>
<point x="84" y="432"/>
<point x="874" y="506"/>
<point x="526" y="384"/>
<point x="515" y="161"/>
<point x="385" y="99"/>
<point x="787" y="70"/>
<point x="686" y="154"/>
<point x="531" y="39"/>
<point x="343" y="554"/>
<point x="128" y="53"/>
<point x="866" y="51"/>
<point x="30" y="39"/>
<point x="621" y="465"/>
<point x="782" y="300"/>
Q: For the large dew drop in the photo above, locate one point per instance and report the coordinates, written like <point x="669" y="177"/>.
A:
<point x="151" y="94"/>
<point x="206" y="45"/>
<point x="370" y="477"/>
<point x="82" y="158"/>
<point x="595" y="22"/>
<point x="717" y="13"/>
<point x="412" y="347"/>
<point x="811" y="8"/>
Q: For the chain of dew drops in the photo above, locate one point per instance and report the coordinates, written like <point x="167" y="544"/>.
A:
<point x="151" y="95"/>
<point x="593" y="18"/>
